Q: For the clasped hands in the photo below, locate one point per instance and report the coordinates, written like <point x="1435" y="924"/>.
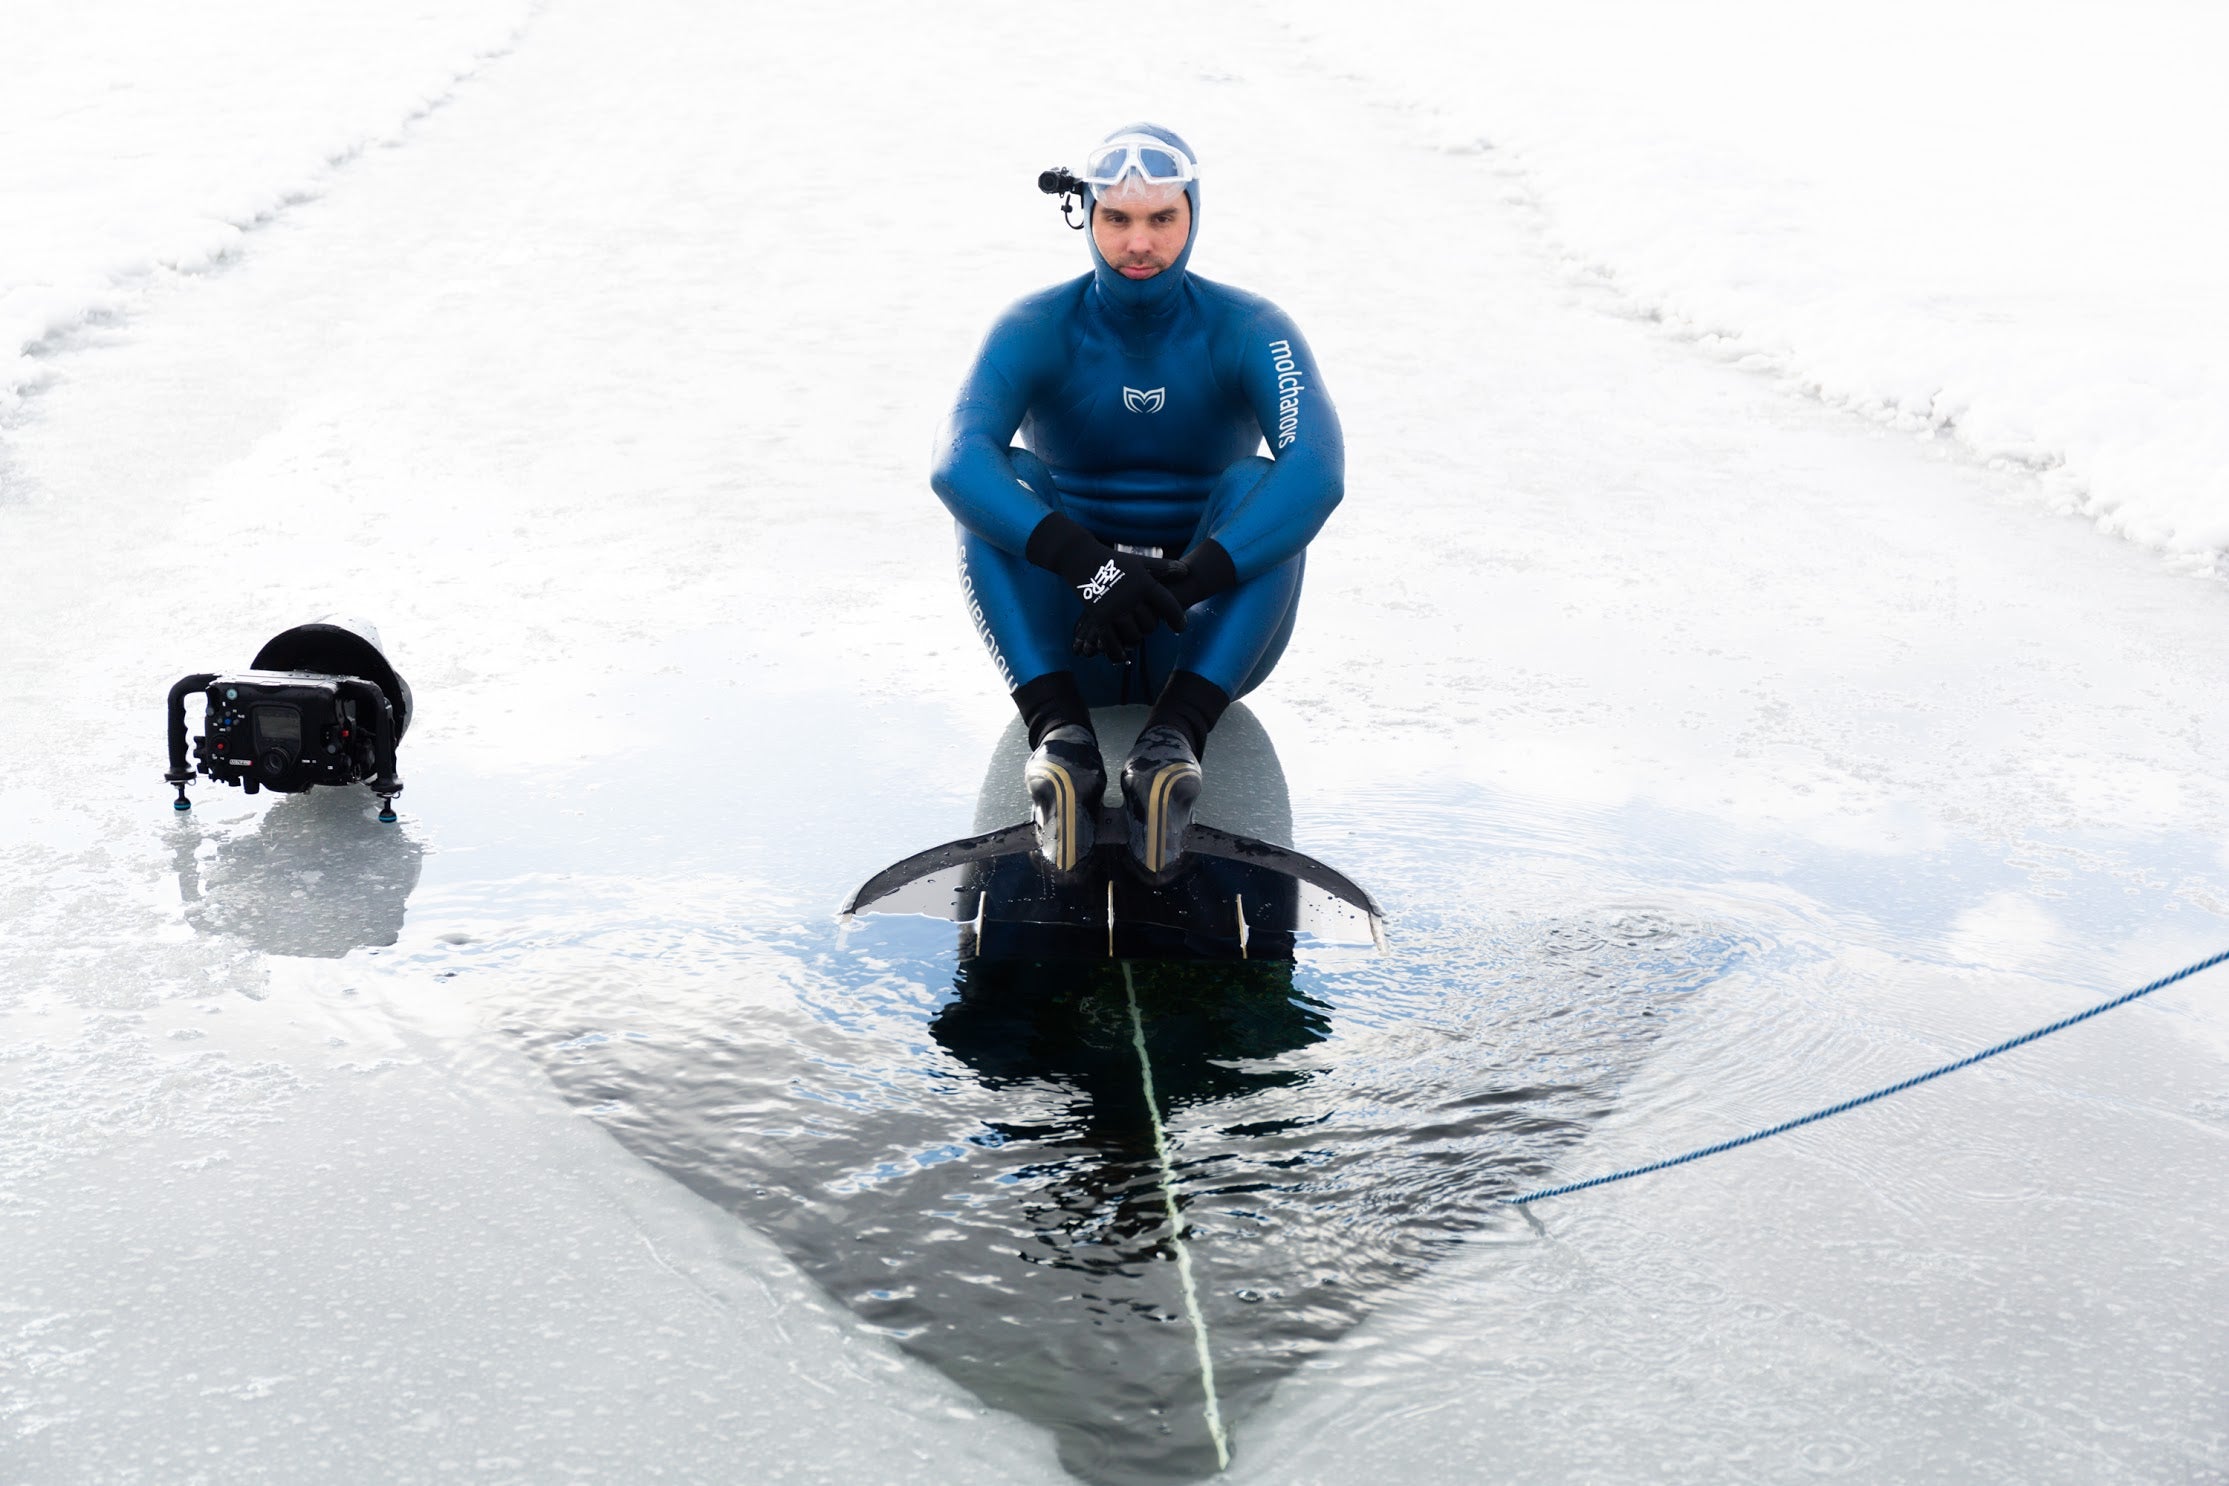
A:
<point x="1139" y="595"/>
<point x="1126" y="595"/>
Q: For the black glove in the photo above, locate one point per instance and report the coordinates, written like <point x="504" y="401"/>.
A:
<point x="1201" y="573"/>
<point x="1194" y="578"/>
<point x="1123" y="600"/>
<point x="1115" y="635"/>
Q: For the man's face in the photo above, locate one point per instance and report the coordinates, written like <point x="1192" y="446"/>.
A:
<point x="1140" y="234"/>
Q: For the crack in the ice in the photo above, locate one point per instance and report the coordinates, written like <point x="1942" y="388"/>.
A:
<point x="126" y="290"/>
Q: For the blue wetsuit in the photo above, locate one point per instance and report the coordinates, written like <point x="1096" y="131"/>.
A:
<point x="1140" y="403"/>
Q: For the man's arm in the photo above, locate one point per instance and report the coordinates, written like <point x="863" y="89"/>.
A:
<point x="973" y="474"/>
<point x="970" y="470"/>
<point x="1289" y="505"/>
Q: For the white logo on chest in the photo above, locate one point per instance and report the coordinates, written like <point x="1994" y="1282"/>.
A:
<point x="1142" y="401"/>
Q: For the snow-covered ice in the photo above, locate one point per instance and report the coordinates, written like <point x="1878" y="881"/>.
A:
<point x="1999" y="225"/>
<point x="1715" y="752"/>
<point x="146" y="140"/>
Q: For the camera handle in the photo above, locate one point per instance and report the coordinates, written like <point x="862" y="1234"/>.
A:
<point x="179" y="774"/>
<point x="370" y="699"/>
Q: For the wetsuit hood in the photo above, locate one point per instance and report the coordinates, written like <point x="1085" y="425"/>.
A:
<point x="1145" y="299"/>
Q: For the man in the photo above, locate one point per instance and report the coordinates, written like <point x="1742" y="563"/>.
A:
<point x="1136" y="548"/>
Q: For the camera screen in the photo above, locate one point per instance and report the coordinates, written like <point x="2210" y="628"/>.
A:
<point x="277" y="727"/>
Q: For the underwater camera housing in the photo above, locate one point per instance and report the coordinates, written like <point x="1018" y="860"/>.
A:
<point x="319" y="704"/>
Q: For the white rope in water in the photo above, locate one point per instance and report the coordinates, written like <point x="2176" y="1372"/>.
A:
<point x="1176" y="1229"/>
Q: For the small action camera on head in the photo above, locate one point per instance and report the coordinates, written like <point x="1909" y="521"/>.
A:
<point x="319" y="704"/>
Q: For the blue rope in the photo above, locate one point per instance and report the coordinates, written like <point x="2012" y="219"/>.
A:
<point x="1864" y="1099"/>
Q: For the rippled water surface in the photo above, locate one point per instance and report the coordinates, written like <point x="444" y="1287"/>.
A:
<point x="961" y="1151"/>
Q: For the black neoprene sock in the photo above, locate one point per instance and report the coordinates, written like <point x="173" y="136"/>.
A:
<point x="1052" y="700"/>
<point x="1191" y="704"/>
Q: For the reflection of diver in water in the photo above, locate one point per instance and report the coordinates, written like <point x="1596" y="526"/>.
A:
<point x="996" y="1202"/>
<point x="1114" y="1369"/>
<point x="1306" y="1190"/>
<point x="1110" y="1361"/>
<point x="318" y="877"/>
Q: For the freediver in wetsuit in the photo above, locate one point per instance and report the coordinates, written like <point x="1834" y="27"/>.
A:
<point x="1135" y="547"/>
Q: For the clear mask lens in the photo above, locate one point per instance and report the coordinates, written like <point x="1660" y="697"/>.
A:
<point x="1151" y="160"/>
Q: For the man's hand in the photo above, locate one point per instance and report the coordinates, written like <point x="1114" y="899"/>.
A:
<point x="1201" y="574"/>
<point x="1123" y="600"/>
<point x="1114" y="634"/>
<point x="1194" y="578"/>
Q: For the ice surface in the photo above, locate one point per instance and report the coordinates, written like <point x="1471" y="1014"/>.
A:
<point x="146" y="140"/>
<point x="346" y="1263"/>
<point x="1714" y="754"/>
<point x="1997" y="225"/>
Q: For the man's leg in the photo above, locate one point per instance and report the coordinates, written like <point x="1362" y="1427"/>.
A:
<point x="1232" y="641"/>
<point x="1230" y="644"/>
<point x="1027" y="618"/>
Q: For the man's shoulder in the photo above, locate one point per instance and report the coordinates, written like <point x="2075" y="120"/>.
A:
<point x="1055" y="301"/>
<point x="1236" y="307"/>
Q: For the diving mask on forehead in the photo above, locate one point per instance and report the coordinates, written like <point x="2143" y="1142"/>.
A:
<point x="1126" y="161"/>
<point x="1155" y="161"/>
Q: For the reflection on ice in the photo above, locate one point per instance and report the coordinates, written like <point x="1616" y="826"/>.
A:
<point x="317" y="877"/>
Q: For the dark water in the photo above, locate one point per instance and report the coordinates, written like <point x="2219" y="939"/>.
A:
<point x="962" y="1150"/>
<point x="979" y="1179"/>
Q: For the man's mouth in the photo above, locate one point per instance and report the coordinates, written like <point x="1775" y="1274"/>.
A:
<point x="1139" y="270"/>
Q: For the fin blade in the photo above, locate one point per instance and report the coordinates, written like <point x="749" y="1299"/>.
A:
<point x="999" y="879"/>
<point x="1208" y="841"/>
<point x="871" y="896"/>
